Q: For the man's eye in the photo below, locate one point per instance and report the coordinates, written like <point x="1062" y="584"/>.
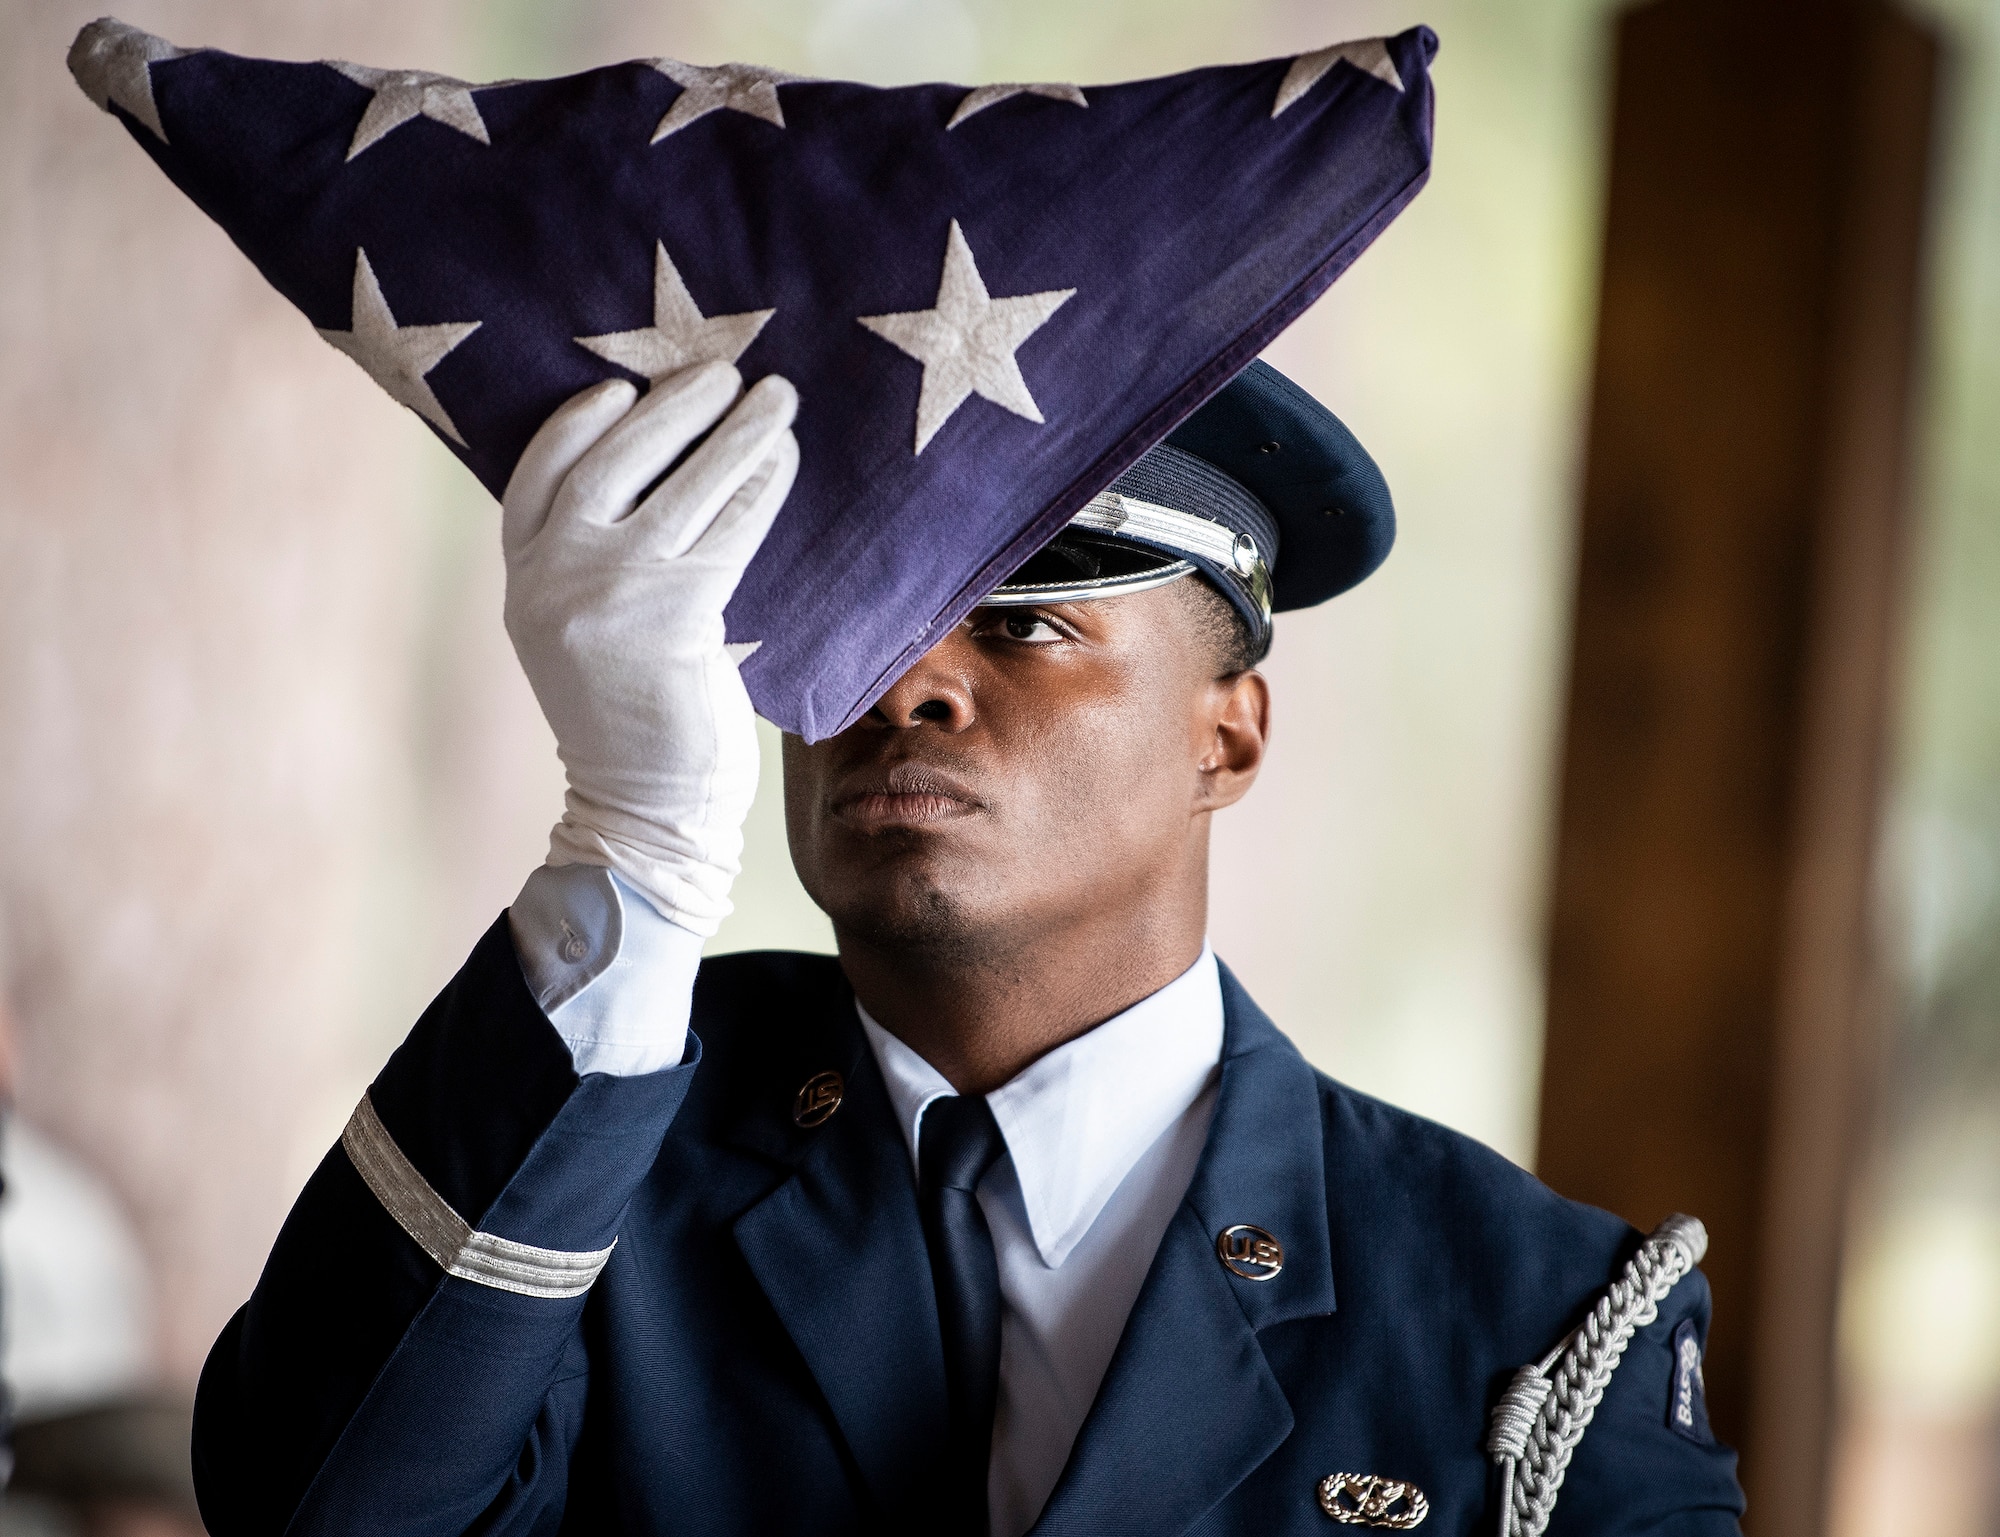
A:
<point x="1031" y="628"/>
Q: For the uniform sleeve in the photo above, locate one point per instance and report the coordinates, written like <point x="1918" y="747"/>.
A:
<point x="410" y="1361"/>
<point x="1649" y="1461"/>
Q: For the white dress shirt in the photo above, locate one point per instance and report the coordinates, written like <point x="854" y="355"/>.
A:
<point x="1102" y="1138"/>
<point x="614" y="977"/>
<point x="1102" y="1135"/>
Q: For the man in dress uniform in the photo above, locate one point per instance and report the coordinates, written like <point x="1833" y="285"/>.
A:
<point x="1018" y="1214"/>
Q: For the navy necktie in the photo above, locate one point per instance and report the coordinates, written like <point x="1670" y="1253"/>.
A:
<point x="959" y="1141"/>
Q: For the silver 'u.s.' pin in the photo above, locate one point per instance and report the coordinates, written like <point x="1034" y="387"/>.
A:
<point x="1249" y="1252"/>
<point x="818" y="1097"/>
<point x="1362" y="1499"/>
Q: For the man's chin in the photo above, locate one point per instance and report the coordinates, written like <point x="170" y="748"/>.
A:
<point x="903" y="912"/>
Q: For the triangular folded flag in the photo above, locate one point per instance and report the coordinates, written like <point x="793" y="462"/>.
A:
<point x="991" y="300"/>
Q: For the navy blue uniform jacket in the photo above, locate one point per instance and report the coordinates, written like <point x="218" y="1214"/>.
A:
<point x="761" y="1352"/>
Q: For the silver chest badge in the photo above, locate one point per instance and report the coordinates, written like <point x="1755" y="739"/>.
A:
<point x="1362" y="1499"/>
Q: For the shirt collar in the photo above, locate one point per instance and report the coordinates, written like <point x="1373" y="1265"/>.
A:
<point x="1077" y="1120"/>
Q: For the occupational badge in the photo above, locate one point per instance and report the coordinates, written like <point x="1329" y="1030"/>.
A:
<point x="1363" y="1499"/>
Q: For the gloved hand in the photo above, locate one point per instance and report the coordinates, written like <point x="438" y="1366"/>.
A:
<point x="614" y="606"/>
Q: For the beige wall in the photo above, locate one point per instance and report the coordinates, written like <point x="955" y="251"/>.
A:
<point x="266" y="769"/>
<point x="233" y="614"/>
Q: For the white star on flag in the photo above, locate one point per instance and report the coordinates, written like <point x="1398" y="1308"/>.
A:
<point x="981" y="97"/>
<point x="680" y="335"/>
<point x="114" y="65"/>
<point x="1370" y="55"/>
<point x="967" y="341"/>
<point x="748" y="88"/>
<point x="398" y="357"/>
<point x="403" y="94"/>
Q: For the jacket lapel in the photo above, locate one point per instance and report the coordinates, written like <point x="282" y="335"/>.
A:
<point x="1190" y="1407"/>
<point x="839" y="1250"/>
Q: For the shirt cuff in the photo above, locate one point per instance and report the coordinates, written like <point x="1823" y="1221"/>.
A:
<point x="615" y="979"/>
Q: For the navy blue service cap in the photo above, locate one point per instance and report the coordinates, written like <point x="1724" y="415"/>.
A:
<point x="1262" y="490"/>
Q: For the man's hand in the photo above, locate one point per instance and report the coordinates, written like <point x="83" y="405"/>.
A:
<point x="614" y="605"/>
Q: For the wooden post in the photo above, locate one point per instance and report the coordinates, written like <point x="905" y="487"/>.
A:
<point x="1710" y="1018"/>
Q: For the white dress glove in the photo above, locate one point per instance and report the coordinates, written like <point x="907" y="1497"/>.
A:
<point x="614" y="605"/>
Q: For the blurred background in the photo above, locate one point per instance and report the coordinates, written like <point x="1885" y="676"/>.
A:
<point x="267" y="767"/>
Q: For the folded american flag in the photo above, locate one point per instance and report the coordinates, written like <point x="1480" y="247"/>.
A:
<point x="992" y="300"/>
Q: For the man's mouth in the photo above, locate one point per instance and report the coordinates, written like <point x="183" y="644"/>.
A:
<point x="875" y="799"/>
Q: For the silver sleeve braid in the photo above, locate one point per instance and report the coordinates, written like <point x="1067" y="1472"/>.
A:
<point x="1544" y="1413"/>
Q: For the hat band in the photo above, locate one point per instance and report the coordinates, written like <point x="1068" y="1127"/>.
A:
<point x="1202" y="543"/>
<point x="1186" y="534"/>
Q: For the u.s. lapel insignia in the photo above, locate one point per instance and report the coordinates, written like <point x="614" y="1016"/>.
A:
<point x="1249" y="1252"/>
<point x="1362" y="1499"/>
<point x="818" y="1097"/>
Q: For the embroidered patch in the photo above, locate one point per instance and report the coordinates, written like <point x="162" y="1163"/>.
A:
<point x="1687" y="1407"/>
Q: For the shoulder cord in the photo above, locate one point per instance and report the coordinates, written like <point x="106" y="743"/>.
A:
<point x="1541" y="1417"/>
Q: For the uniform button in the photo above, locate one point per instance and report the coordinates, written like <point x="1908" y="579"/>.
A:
<point x="818" y="1097"/>
<point x="1249" y="1252"/>
<point x="575" y="948"/>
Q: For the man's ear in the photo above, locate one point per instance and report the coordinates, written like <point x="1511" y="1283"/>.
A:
<point x="1236" y="727"/>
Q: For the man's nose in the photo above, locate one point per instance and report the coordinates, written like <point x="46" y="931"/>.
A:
<point x="936" y="691"/>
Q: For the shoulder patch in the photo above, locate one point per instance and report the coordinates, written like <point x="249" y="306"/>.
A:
<point x="1687" y="1407"/>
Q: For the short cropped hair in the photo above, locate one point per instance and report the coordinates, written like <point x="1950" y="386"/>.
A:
<point x="1232" y="648"/>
